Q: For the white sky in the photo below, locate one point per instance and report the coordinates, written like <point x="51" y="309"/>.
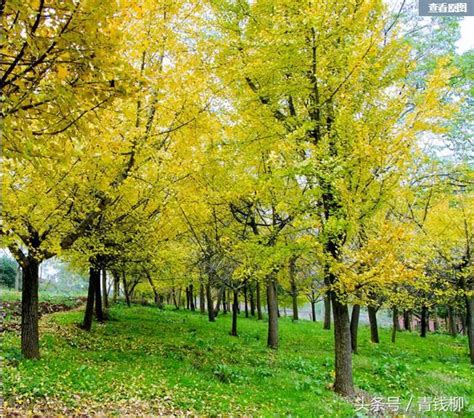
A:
<point x="467" y="34"/>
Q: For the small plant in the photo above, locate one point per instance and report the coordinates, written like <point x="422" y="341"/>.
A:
<point x="226" y="374"/>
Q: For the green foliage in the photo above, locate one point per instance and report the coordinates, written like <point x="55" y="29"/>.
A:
<point x="8" y="268"/>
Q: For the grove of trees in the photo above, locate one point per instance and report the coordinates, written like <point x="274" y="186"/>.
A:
<point x="221" y="152"/>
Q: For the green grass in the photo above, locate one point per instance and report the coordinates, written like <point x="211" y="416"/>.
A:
<point x="10" y="295"/>
<point x="149" y="360"/>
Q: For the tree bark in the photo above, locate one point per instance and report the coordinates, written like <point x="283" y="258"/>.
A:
<point x="354" y="326"/>
<point x="89" y="312"/>
<point x="252" y="300"/>
<point x="246" y="305"/>
<point x="191" y="296"/>
<point x="259" y="302"/>
<point x="272" y="340"/>
<point x="374" y="331"/>
<point x="125" y="290"/>
<point x="210" y="307"/>
<point x="188" y="301"/>
<point x="104" y="288"/>
<point x="98" y="296"/>
<point x="29" y="309"/>
<point x="394" y="323"/>
<point x="424" y="321"/>
<point x="327" y="312"/>
<point x="202" y="299"/>
<point x="313" y="310"/>
<point x="469" y="300"/>
<point x="407" y="320"/>
<point x="343" y="383"/>
<point x="233" y="331"/>
<point x="294" y="288"/>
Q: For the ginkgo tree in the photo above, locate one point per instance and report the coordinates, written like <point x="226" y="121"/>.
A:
<point x="331" y="78"/>
<point x="64" y="186"/>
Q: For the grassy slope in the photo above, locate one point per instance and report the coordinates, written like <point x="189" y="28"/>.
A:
<point x="158" y="361"/>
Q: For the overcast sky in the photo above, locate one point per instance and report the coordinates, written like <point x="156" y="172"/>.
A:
<point x="467" y="34"/>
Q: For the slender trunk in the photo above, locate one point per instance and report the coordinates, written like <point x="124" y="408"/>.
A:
<point x="234" y="313"/>
<point x="294" y="288"/>
<point x="104" y="288"/>
<point x="259" y="302"/>
<point x="407" y="320"/>
<point x="252" y="300"/>
<point x="210" y="307"/>
<point x="153" y="287"/>
<point x="272" y="340"/>
<point x="191" y="296"/>
<point x="175" y="301"/>
<point x="116" y="287"/>
<point x="29" y="309"/>
<point x="374" y="332"/>
<point x="202" y="299"/>
<point x="343" y="383"/>
<point x="125" y="290"/>
<point x="89" y="312"/>
<point x="246" y="301"/>
<point x="98" y="296"/>
<point x="327" y="312"/>
<point x="394" y="323"/>
<point x="313" y="310"/>
<point x="188" y="302"/>
<point x="424" y="321"/>
<point x="469" y="300"/>
<point x="354" y="326"/>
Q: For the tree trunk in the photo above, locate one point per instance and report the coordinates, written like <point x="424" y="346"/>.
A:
<point x="327" y="312"/>
<point x="233" y="331"/>
<point x="394" y="323"/>
<point x="202" y="299"/>
<point x="98" y="296"/>
<point x="188" y="301"/>
<point x="252" y="300"/>
<point x="424" y="321"/>
<point x="343" y="383"/>
<point x="29" y="309"/>
<point x="210" y="307"/>
<point x="259" y="302"/>
<point x="246" y="301"/>
<point x="89" y="312"/>
<point x="374" y="331"/>
<point x="104" y="288"/>
<point x="469" y="300"/>
<point x="294" y="288"/>
<point x="407" y="320"/>
<point x="272" y="340"/>
<point x="451" y="322"/>
<point x="313" y="310"/>
<point x="125" y="290"/>
<point x="191" y="296"/>
<point x="354" y="327"/>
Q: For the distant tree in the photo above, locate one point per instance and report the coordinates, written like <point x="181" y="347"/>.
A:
<point x="7" y="271"/>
